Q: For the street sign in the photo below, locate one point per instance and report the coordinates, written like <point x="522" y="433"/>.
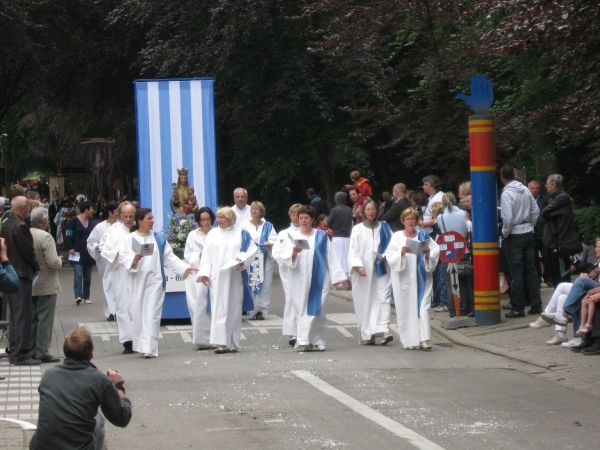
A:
<point x="452" y="246"/>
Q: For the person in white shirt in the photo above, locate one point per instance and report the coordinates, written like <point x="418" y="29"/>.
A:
<point x="241" y="207"/>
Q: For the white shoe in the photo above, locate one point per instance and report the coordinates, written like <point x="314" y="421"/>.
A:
<point x="387" y="337"/>
<point x="575" y="342"/>
<point x="303" y="348"/>
<point x="558" y="339"/>
<point x="147" y="355"/>
<point x="441" y="309"/>
<point x="87" y="300"/>
<point x="540" y="323"/>
<point x="557" y="318"/>
<point x="321" y="348"/>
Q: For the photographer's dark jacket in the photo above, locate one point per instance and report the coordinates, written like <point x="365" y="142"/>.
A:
<point x="19" y="246"/>
<point x="558" y="219"/>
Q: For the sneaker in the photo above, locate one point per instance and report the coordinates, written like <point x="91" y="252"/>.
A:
<point x="87" y="300"/>
<point x="78" y="301"/>
<point x="441" y="309"/>
<point x="387" y="337"/>
<point x="540" y="323"/>
<point x="575" y="342"/>
<point x="303" y="348"/>
<point x="558" y="339"/>
<point x="321" y="348"/>
<point x="557" y="318"/>
<point x="425" y="345"/>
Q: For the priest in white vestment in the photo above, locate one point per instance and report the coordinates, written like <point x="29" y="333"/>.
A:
<point x="313" y="266"/>
<point x="95" y="243"/>
<point x="115" y="277"/>
<point x="228" y="252"/>
<point x="145" y="254"/>
<point x="371" y="282"/>
<point x="197" y="293"/>
<point x="289" y="313"/>
<point x="260" y="272"/>
<point x="241" y="208"/>
<point x="412" y="281"/>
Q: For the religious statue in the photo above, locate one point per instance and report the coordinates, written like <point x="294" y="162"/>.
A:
<point x="183" y="200"/>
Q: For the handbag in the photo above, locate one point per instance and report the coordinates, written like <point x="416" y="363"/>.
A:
<point x="569" y="246"/>
<point x="464" y="268"/>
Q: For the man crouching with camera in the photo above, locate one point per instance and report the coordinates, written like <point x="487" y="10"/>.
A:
<point x="70" y="394"/>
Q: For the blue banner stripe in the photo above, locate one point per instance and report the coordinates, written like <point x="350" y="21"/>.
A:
<point x="143" y="139"/>
<point x="485" y="213"/>
<point x="210" y="151"/>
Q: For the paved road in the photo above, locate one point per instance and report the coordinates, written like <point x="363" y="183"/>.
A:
<point x="350" y="396"/>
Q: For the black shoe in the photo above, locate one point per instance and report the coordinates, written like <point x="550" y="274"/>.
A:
<point x="111" y="318"/>
<point x="128" y="348"/>
<point x="535" y="311"/>
<point x="258" y="316"/>
<point x="50" y="359"/>
<point x="292" y="341"/>
<point x="78" y="301"/>
<point x="471" y="314"/>
<point x="26" y="362"/>
<point x="507" y="306"/>
<point x="594" y="349"/>
<point x="244" y="313"/>
<point x="514" y="314"/>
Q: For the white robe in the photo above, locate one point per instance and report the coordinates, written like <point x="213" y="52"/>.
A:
<point x="310" y="329"/>
<point x="98" y="238"/>
<point x="196" y="292"/>
<point x="242" y="215"/>
<point x="289" y="313"/>
<point x="371" y="294"/>
<point x="146" y="288"/>
<point x="413" y="329"/>
<point x="262" y="301"/>
<point x="115" y="279"/>
<point x="226" y="286"/>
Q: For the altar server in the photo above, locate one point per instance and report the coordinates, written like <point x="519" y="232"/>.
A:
<point x="289" y="313"/>
<point x="260" y="274"/>
<point x="115" y="277"/>
<point x="412" y="281"/>
<point x="145" y="254"/>
<point x="313" y="266"/>
<point x="228" y="252"/>
<point x="197" y="293"/>
<point x="371" y="283"/>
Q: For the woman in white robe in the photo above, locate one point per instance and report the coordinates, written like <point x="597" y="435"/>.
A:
<point x="115" y="280"/>
<point x="147" y="280"/>
<point x="311" y="272"/>
<point x="412" y="282"/>
<point x="371" y="282"/>
<point x="228" y="252"/>
<point x="197" y="293"/>
<point x="261" y="269"/>
<point x="289" y="313"/>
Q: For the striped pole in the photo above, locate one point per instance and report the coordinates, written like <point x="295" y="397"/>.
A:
<point x="485" y="219"/>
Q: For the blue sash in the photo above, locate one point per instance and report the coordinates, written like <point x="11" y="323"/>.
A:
<point x="315" y="293"/>
<point x="248" y="302"/>
<point x="208" y="302"/>
<point x="161" y="241"/>
<point x="421" y="272"/>
<point x="385" y="235"/>
<point x="264" y="237"/>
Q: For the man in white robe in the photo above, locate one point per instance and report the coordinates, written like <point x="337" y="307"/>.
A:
<point x="311" y="330"/>
<point x="95" y="243"/>
<point x="289" y="313"/>
<point x="241" y="208"/>
<point x="223" y="245"/>
<point x="197" y="293"/>
<point x="115" y="276"/>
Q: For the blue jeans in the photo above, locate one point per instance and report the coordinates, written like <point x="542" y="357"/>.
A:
<point x="82" y="280"/>
<point x="520" y="251"/>
<point x="440" y="285"/>
<point x="573" y="302"/>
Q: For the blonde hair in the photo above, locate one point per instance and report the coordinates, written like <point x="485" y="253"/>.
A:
<point x="354" y="175"/>
<point x="464" y="189"/>
<point x="437" y="208"/>
<point x="258" y="205"/>
<point x="409" y="212"/>
<point x="228" y="213"/>
<point x="448" y="199"/>
<point x="294" y="209"/>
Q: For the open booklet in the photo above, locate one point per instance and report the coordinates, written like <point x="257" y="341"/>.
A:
<point x="300" y="243"/>
<point x="142" y="249"/>
<point x="417" y="246"/>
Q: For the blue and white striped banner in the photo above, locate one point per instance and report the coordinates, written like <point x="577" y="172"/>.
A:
<point x="175" y="128"/>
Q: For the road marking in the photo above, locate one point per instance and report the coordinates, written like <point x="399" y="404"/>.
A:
<point x="343" y="331"/>
<point x="263" y="330"/>
<point x="398" y="429"/>
<point x="185" y="336"/>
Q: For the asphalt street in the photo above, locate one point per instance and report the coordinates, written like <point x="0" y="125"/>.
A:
<point x="270" y="397"/>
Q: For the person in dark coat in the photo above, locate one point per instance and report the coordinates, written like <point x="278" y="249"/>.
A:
<point x="78" y="232"/>
<point x="401" y="202"/>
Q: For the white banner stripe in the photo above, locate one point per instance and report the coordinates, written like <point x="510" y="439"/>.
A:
<point x="155" y="163"/>
<point x="198" y="139"/>
<point x="175" y="117"/>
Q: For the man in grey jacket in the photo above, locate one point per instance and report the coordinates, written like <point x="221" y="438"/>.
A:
<point x="519" y="215"/>
<point x="70" y="394"/>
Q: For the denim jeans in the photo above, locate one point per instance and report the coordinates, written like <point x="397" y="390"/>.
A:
<point x="440" y="285"/>
<point x="520" y="251"/>
<point x="82" y="280"/>
<point x="573" y="302"/>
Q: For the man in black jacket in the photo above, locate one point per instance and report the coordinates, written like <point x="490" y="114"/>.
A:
<point x="19" y="245"/>
<point x="392" y="217"/>
<point x="558" y="226"/>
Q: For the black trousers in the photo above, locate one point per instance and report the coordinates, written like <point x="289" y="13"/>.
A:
<point x="559" y="267"/>
<point x="20" y="322"/>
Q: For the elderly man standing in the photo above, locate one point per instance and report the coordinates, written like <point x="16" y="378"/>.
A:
<point x="520" y="213"/>
<point x="392" y="217"/>
<point x="43" y="300"/>
<point x="21" y="253"/>
<point x="241" y="207"/>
